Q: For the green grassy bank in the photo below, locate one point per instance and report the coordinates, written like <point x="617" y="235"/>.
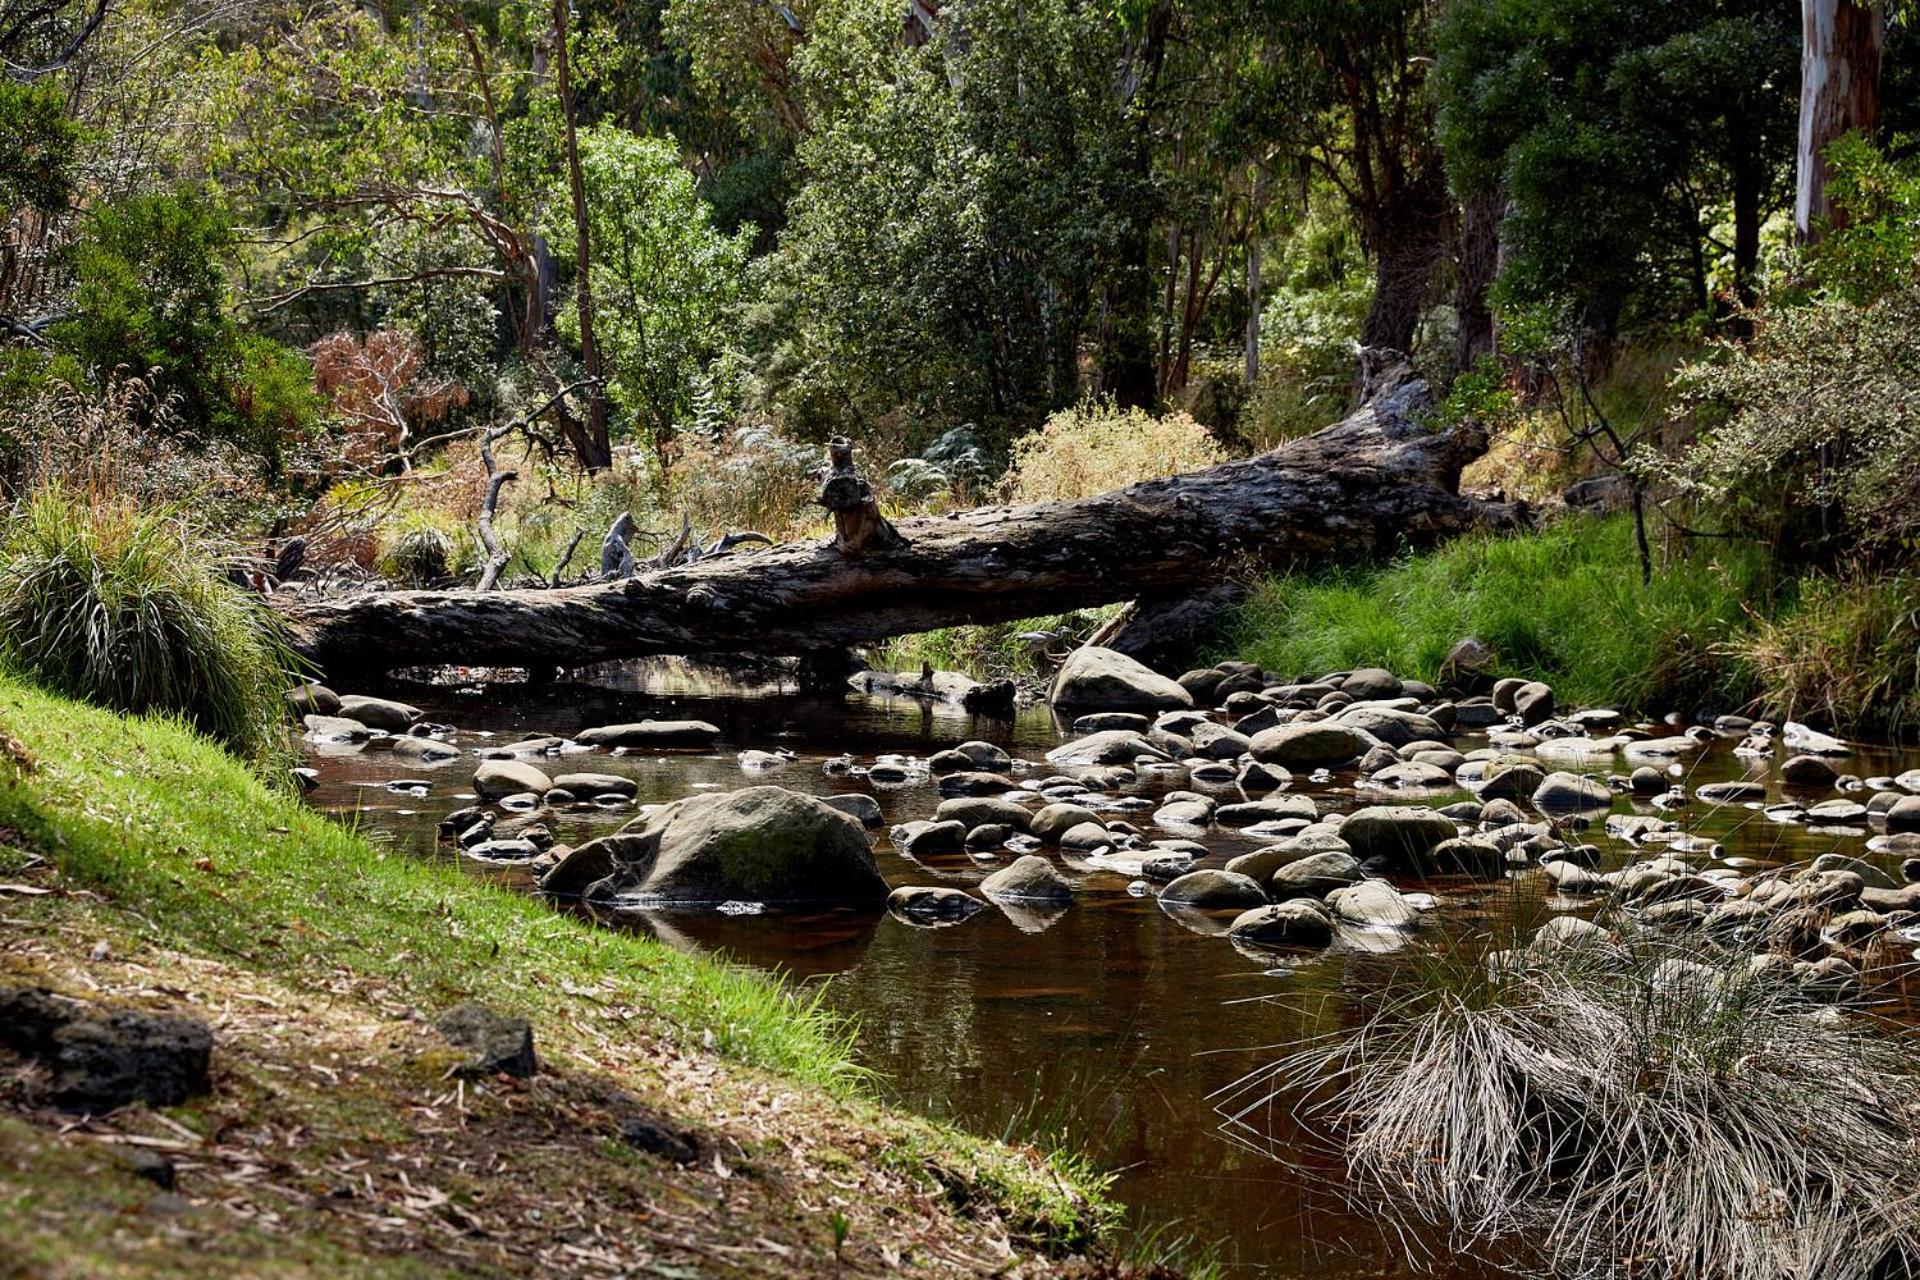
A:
<point x="135" y="842"/>
<point x="1714" y="629"/>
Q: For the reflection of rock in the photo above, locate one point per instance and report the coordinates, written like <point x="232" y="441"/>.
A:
<point x="797" y="946"/>
<point x="1208" y="924"/>
<point x="932" y="907"/>
<point x="1030" y="917"/>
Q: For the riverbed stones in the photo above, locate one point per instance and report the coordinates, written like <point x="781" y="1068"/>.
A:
<point x="1365" y="684"/>
<point x="1097" y="679"/>
<point x="1217" y="742"/>
<point x="497" y="779"/>
<point x="1299" y="923"/>
<point x="1273" y="808"/>
<point x="1028" y="878"/>
<point x="977" y="811"/>
<point x="312" y="698"/>
<point x="1810" y="741"/>
<point x="933" y="905"/>
<point x="1314" y="875"/>
<point x="103" y="1058"/>
<point x="380" y="713"/>
<point x="1511" y="778"/>
<point x="1110" y="746"/>
<point x="334" y="730"/>
<point x="1214" y="890"/>
<point x="1309" y="745"/>
<point x="974" y="782"/>
<point x="1399" y="834"/>
<point x="1533" y="702"/>
<point x="1087" y="837"/>
<point x="424" y="750"/>
<point x="756" y="844"/>
<point x="1566" y="793"/>
<point x="591" y="785"/>
<point x="1373" y="904"/>
<point x="1055" y="820"/>
<point x="859" y="806"/>
<point x="1808" y="771"/>
<point x="1904" y="815"/>
<point x="931" y="839"/>
<point x="1392" y="725"/>
<point x="653" y="735"/>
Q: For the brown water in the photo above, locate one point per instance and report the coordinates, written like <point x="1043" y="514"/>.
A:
<point x="1107" y="1026"/>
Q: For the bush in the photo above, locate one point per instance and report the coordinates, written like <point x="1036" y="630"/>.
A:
<point x="1653" y="1109"/>
<point x="124" y="608"/>
<point x="417" y="551"/>
<point x="1564" y="605"/>
<point x="755" y="480"/>
<point x="1097" y="447"/>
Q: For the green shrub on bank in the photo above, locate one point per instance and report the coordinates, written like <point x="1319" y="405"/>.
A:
<point x="1564" y="605"/>
<point x="124" y="608"/>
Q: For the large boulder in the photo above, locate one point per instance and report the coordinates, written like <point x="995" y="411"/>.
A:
<point x="102" y="1058"/>
<point x="1096" y="679"/>
<point x="757" y="844"/>
<point x="1401" y="834"/>
<point x="656" y="735"/>
<point x="1309" y="745"/>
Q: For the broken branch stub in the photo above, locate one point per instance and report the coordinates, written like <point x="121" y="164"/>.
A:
<point x="858" y="526"/>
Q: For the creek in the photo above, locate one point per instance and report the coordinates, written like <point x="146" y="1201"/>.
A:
<point x="1107" y="1026"/>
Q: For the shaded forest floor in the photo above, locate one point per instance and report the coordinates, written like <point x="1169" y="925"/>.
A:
<point x="688" y="1118"/>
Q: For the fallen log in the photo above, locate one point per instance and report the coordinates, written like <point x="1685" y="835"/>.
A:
<point x="1368" y="485"/>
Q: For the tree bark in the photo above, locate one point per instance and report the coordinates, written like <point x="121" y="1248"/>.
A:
<point x="597" y="453"/>
<point x="1479" y="265"/>
<point x="1839" y="93"/>
<point x="1369" y="485"/>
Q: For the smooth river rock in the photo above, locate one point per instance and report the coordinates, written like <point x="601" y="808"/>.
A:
<point x="1096" y="679"/>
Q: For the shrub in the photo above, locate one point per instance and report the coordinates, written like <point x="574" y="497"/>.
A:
<point x="756" y="479"/>
<point x="1655" y="1109"/>
<point x="1096" y="447"/>
<point x="125" y="608"/>
<point x="418" y="551"/>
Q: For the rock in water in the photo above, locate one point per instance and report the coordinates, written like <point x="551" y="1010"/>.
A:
<point x="1307" y="746"/>
<point x="1373" y="903"/>
<point x="1029" y="878"/>
<point x="933" y="905"/>
<point x="499" y="1043"/>
<point x="1096" y="679"/>
<point x="658" y="735"/>
<point x="1402" y="834"/>
<point x="1562" y="793"/>
<point x="497" y="778"/>
<point x="1300" y="923"/>
<point x="1211" y="890"/>
<point x="757" y="844"/>
<point x="379" y="713"/>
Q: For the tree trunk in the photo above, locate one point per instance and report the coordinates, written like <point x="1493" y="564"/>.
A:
<point x="1254" y="247"/>
<point x="1839" y="93"/>
<point x="598" y="451"/>
<point x="1367" y="486"/>
<point x="1479" y="265"/>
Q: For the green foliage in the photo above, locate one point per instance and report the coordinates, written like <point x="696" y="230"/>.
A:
<point x="1564" y="605"/>
<point x="664" y="280"/>
<point x="1623" y="133"/>
<point x="964" y="202"/>
<point x="127" y="609"/>
<point x="38" y="146"/>
<point x="1809" y="441"/>
<point x="1878" y="248"/>
<point x="150" y="302"/>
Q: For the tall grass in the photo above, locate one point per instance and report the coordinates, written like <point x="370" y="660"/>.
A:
<point x="1847" y="654"/>
<point x="125" y="608"/>
<point x="1564" y="605"/>
<point x="1651" y="1110"/>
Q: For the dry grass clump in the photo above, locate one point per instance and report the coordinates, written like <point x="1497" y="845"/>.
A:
<point x="1096" y="447"/>
<point x="1847" y="654"/>
<point x="1650" y="1111"/>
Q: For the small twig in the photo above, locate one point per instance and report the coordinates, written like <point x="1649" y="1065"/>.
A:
<point x="567" y="558"/>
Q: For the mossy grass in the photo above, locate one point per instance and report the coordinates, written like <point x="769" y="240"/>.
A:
<point x="1564" y="605"/>
<point x="126" y="608"/>
<point x="174" y="843"/>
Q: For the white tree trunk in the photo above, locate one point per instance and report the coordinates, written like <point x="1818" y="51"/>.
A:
<point x="1839" y="93"/>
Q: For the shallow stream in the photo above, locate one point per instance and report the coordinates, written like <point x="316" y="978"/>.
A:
<point x="1108" y="1025"/>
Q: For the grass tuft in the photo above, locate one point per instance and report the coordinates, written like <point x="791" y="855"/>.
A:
<point x="1847" y="654"/>
<point x="1652" y="1109"/>
<point x="123" y="607"/>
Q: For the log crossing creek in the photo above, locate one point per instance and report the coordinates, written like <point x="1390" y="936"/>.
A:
<point x="1111" y="1024"/>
